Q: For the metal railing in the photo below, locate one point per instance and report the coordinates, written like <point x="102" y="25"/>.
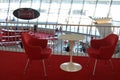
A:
<point x="58" y="46"/>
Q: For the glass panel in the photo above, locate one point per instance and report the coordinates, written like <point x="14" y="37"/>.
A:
<point x="63" y="11"/>
<point x="102" y="9"/>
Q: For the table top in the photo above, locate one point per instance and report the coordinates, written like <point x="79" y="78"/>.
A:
<point x="71" y="37"/>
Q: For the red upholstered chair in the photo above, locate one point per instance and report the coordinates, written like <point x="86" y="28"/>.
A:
<point x="102" y="49"/>
<point x="36" y="49"/>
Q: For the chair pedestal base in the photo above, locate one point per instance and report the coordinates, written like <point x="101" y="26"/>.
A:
<point x="70" y="67"/>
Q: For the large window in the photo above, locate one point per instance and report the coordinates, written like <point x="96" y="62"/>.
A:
<point x="63" y="11"/>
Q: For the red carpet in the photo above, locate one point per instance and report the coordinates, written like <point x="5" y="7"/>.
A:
<point x="12" y="65"/>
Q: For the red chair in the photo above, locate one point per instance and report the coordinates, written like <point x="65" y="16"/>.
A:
<point x="102" y="49"/>
<point x="36" y="49"/>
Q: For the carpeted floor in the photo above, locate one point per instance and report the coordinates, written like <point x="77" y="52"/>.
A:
<point x="12" y="65"/>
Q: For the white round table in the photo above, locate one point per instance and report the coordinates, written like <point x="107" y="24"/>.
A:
<point x="71" y="66"/>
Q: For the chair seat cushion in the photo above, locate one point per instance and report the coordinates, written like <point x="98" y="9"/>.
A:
<point x="44" y="54"/>
<point x="93" y="52"/>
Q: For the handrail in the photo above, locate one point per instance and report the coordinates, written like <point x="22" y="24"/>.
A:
<point x="83" y="29"/>
<point x="55" y="23"/>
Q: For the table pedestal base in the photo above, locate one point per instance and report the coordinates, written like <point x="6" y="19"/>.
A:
<point x="70" y="67"/>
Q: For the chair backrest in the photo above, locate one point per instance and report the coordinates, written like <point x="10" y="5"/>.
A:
<point x="26" y="38"/>
<point x="111" y="40"/>
<point x="103" y="48"/>
<point x="35" y="48"/>
<point x="29" y="44"/>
